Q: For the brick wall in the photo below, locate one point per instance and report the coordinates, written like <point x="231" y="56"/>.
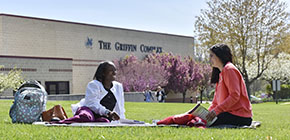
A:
<point x="39" y="68"/>
<point x="35" y="37"/>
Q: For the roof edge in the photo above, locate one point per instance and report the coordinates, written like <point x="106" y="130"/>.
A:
<point x="94" y="25"/>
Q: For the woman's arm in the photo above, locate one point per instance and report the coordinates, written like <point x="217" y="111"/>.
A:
<point x="232" y="81"/>
<point x="214" y="102"/>
<point x="93" y="98"/>
<point x="122" y="102"/>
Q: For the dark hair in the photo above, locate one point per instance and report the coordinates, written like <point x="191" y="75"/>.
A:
<point x="223" y="52"/>
<point x="102" y="68"/>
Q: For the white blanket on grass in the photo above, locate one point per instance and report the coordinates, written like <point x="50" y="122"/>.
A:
<point x="254" y="125"/>
<point x="95" y="124"/>
<point x="120" y="123"/>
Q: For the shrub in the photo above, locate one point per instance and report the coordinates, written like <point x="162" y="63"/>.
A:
<point x="11" y="80"/>
<point x="284" y="93"/>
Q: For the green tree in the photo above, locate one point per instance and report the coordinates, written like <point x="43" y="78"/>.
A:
<point x="252" y="28"/>
<point x="11" y="80"/>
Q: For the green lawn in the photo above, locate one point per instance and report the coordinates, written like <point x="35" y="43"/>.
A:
<point x="275" y="124"/>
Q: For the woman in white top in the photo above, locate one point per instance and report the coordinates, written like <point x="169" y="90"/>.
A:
<point x="104" y="99"/>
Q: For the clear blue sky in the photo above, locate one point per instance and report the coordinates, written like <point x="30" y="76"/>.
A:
<point x="165" y="16"/>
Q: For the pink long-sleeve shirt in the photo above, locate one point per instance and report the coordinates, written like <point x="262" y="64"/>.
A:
<point x="231" y="93"/>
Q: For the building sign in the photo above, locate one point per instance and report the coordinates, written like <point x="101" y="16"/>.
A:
<point x="89" y="43"/>
<point x="125" y="47"/>
<point x="121" y="46"/>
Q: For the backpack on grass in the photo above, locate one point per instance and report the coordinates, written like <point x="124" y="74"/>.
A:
<point x="29" y="102"/>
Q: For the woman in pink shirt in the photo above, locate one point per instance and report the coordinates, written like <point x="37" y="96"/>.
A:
<point x="231" y="104"/>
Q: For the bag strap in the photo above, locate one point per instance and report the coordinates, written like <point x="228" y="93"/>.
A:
<point x="32" y="83"/>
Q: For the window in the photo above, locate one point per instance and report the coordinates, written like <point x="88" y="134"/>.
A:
<point x="57" y="87"/>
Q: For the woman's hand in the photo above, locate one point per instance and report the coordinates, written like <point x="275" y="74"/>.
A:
<point x="211" y="115"/>
<point x="114" y="116"/>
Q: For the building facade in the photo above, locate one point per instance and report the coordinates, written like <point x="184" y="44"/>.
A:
<point x="64" y="56"/>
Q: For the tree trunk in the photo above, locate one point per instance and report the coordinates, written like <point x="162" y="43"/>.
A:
<point x="201" y="96"/>
<point x="183" y="96"/>
<point x="248" y="84"/>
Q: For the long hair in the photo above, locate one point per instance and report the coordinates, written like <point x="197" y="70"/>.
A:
<point x="102" y="68"/>
<point x="223" y="52"/>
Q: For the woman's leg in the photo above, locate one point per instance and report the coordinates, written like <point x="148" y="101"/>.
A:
<point x="83" y="114"/>
<point x="226" y="118"/>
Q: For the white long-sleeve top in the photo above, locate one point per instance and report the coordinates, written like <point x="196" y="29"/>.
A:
<point x="95" y="92"/>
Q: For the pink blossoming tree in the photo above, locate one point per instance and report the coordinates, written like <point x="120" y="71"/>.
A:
<point x="136" y="75"/>
<point x="185" y="73"/>
<point x="172" y="72"/>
